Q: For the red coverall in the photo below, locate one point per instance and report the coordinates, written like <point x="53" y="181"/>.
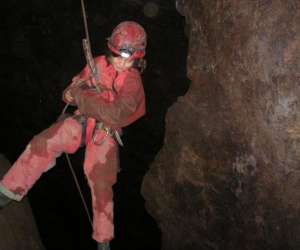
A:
<point x="120" y="104"/>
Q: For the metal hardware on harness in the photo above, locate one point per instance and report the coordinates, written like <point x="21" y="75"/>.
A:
<point x="109" y="132"/>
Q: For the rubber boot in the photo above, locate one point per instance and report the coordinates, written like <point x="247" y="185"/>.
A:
<point x="4" y="200"/>
<point x="103" y="246"/>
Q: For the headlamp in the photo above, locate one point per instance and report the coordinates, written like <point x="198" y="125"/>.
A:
<point x="125" y="53"/>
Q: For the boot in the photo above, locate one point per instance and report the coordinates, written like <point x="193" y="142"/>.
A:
<point x="103" y="246"/>
<point x="4" y="200"/>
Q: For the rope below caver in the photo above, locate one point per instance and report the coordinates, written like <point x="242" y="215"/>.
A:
<point x="79" y="189"/>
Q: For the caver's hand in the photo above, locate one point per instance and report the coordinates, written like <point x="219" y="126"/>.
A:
<point x="67" y="96"/>
<point x="76" y="83"/>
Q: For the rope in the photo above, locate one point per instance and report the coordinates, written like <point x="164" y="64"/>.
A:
<point x="63" y="112"/>
<point x="86" y="29"/>
<point x="76" y="179"/>
<point x="65" y="109"/>
<point x="79" y="189"/>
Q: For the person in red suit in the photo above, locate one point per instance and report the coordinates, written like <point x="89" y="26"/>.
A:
<point x="97" y="124"/>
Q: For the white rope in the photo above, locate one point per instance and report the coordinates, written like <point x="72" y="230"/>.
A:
<point x="79" y="189"/>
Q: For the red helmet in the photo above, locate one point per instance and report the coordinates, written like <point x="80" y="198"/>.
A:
<point x="128" y="40"/>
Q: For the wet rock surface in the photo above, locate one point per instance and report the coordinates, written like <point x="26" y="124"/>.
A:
<point x="228" y="175"/>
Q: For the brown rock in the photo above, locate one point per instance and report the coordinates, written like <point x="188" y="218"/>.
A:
<point x="18" y="230"/>
<point x="228" y="176"/>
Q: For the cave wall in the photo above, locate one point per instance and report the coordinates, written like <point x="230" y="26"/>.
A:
<point x="228" y="175"/>
<point x="18" y="230"/>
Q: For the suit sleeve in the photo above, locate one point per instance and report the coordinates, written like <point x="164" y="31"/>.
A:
<point x="118" y="113"/>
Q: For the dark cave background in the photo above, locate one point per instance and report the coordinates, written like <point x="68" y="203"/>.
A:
<point x="41" y="51"/>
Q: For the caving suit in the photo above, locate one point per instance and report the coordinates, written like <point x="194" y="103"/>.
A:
<point x="121" y="102"/>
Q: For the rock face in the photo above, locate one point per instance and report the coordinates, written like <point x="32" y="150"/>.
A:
<point x="228" y="176"/>
<point x="17" y="226"/>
